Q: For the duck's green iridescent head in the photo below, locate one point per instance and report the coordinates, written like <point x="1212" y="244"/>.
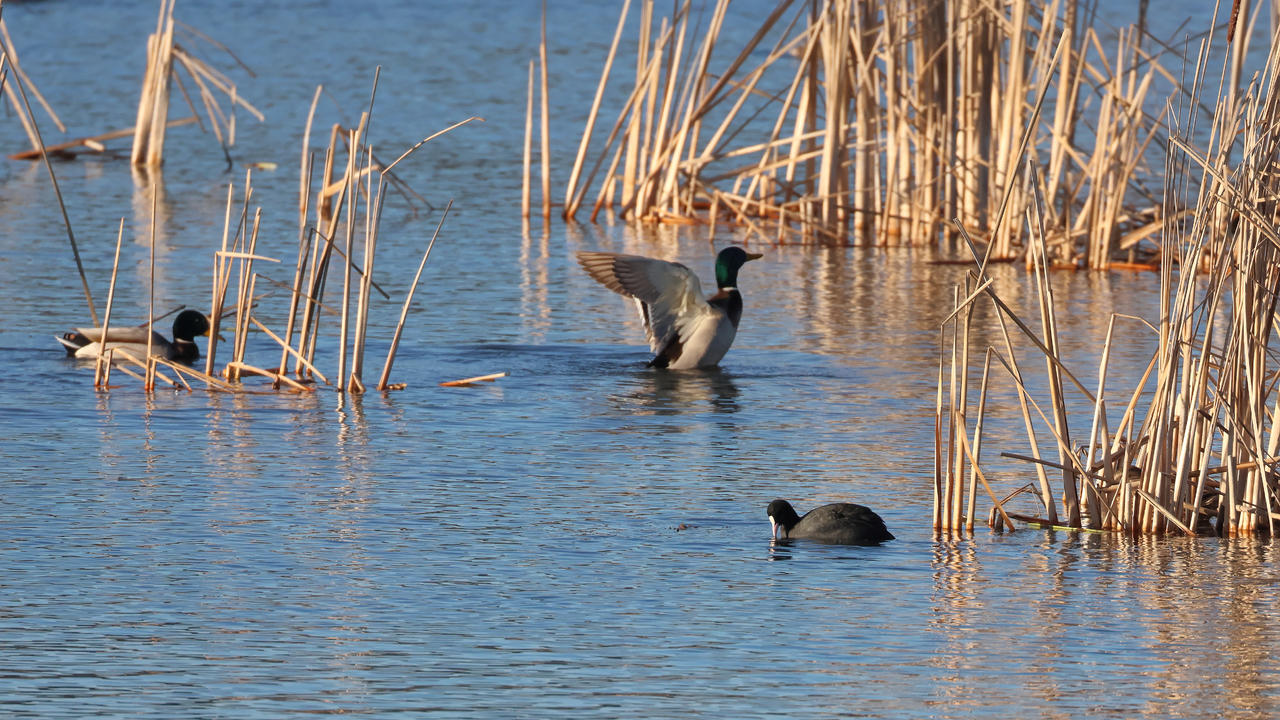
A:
<point x="728" y="262"/>
<point x="190" y="324"/>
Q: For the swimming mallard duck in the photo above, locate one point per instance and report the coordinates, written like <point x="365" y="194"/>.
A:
<point x="838" y="523"/>
<point x="83" y="342"/>
<point x="684" y="329"/>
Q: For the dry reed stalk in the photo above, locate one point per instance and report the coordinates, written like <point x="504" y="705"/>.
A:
<point x="20" y="107"/>
<point x="164" y="57"/>
<point x="528" y="148"/>
<point x="237" y="367"/>
<point x="149" y="367"/>
<point x="408" y="300"/>
<point x="289" y="351"/>
<point x="151" y="292"/>
<point x="153" y="106"/>
<point x="546" y="120"/>
<point x="373" y="212"/>
<point x="244" y="291"/>
<point x="473" y="380"/>
<point x="304" y="243"/>
<point x="99" y="376"/>
<point x="349" y="181"/>
<point x="219" y="285"/>
<point x="571" y="200"/>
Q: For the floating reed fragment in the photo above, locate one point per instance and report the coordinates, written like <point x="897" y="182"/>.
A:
<point x="473" y="380"/>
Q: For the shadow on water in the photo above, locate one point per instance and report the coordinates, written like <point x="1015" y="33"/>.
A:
<point x="673" y="392"/>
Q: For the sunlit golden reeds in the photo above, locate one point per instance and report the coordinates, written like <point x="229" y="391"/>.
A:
<point x="164" y="57"/>
<point x="876" y="122"/>
<point x="1192" y="447"/>
<point x="341" y="237"/>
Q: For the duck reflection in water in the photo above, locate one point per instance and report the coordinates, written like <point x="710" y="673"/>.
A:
<point x="674" y="392"/>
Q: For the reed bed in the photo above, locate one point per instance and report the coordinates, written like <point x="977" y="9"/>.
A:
<point x="340" y="238"/>
<point x="1192" y="446"/>
<point x="875" y="122"/>
<point x="333" y="291"/>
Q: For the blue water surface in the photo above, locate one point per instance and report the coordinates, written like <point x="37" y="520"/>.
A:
<point x="584" y="537"/>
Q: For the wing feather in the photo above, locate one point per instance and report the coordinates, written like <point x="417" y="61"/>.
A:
<point x="668" y="295"/>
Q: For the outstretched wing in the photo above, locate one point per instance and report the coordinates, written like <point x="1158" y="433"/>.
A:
<point x="668" y="294"/>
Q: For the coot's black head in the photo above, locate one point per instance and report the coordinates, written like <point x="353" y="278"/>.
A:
<point x="782" y="516"/>
<point x="728" y="263"/>
<point x="189" y="324"/>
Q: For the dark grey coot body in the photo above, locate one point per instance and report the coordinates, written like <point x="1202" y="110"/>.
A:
<point x="837" y="523"/>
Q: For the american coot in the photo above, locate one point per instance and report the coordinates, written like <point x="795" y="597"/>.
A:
<point x="83" y="342"/>
<point x="684" y="329"/>
<point x="839" y="523"/>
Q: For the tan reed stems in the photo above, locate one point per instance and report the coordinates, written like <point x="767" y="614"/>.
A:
<point x="408" y="300"/>
<point x="571" y="198"/>
<point x="219" y="284"/>
<point x="153" y="106"/>
<point x="164" y="56"/>
<point x="99" y="374"/>
<point x="151" y="292"/>
<point x="338" y="209"/>
<point x="546" y="120"/>
<point x="1194" y="449"/>
<point x="528" y="149"/>
<point x="875" y="121"/>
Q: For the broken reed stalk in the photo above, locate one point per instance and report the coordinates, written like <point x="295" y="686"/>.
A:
<point x="153" y="106"/>
<point x="408" y="300"/>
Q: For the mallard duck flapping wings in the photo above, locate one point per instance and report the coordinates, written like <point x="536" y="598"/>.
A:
<point x="684" y="329"/>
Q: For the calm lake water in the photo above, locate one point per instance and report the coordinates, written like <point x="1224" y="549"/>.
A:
<point x="585" y="537"/>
